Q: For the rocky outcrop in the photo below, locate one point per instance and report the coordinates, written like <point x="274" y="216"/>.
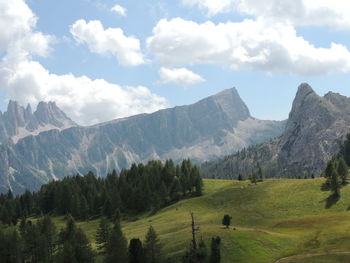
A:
<point x="211" y="128"/>
<point x="314" y="131"/>
<point x="18" y="122"/>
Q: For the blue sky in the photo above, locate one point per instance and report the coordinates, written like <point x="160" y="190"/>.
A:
<point x="99" y="64"/>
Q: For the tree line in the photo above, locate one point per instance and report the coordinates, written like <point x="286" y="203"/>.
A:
<point x="136" y="190"/>
<point x="337" y="170"/>
<point x="41" y="242"/>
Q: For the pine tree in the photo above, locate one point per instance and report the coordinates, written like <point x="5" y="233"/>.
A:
<point x="260" y="174"/>
<point x="48" y="237"/>
<point x="116" y="248"/>
<point x="202" y="251"/>
<point x="74" y="245"/>
<point x="346" y="150"/>
<point x="135" y="251"/>
<point x="342" y="171"/>
<point x="102" y="234"/>
<point x="11" y="246"/>
<point x="215" y="256"/>
<point x="335" y="182"/>
<point x="152" y="246"/>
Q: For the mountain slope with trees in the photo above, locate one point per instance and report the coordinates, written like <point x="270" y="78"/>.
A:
<point x="270" y="220"/>
<point x="314" y="132"/>
<point x="213" y="127"/>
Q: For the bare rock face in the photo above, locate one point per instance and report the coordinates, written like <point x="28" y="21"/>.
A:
<point x="18" y="122"/>
<point x="211" y="128"/>
<point x="314" y="131"/>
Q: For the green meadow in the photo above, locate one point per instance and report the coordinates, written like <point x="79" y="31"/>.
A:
<point x="271" y="220"/>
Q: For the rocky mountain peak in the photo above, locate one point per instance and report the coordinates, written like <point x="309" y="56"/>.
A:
<point x="15" y="114"/>
<point x="232" y="104"/>
<point x="18" y="122"/>
<point x="49" y="113"/>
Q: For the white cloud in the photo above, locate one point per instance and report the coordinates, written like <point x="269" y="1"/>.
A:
<point x="108" y="41"/>
<point x="17" y="23"/>
<point x="119" y="10"/>
<point x="179" y="76"/>
<point x="335" y="13"/>
<point x="247" y="45"/>
<point x="85" y="100"/>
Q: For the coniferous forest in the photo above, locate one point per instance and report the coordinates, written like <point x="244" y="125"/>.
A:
<point x="136" y="190"/>
<point x="142" y="188"/>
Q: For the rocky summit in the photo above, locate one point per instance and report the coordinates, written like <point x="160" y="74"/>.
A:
<point x="18" y="122"/>
<point x="213" y="127"/>
<point x="314" y="132"/>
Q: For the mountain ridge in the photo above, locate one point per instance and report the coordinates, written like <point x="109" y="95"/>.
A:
<point x="208" y="129"/>
<point x="18" y="122"/>
<point x="314" y="131"/>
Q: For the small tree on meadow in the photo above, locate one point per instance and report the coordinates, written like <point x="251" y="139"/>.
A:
<point x="342" y="171"/>
<point x="260" y="174"/>
<point x="226" y="220"/>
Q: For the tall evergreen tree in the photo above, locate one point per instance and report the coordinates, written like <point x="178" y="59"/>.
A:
<point x="48" y="238"/>
<point x="152" y="247"/>
<point x="343" y="171"/>
<point x="102" y="234"/>
<point x="74" y="245"/>
<point x="215" y="256"/>
<point x="260" y="174"/>
<point x="135" y="250"/>
<point x="116" y="248"/>
<point x="11" y="246"/>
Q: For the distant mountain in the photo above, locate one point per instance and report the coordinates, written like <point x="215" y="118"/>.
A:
<point x="211" y="128"/>
<point x="315" y="129"/>
<point x="18" y="122"/>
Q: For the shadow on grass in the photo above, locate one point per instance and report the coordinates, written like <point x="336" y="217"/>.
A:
<point x="332" y="200"/>
<point x="325" y="187"/>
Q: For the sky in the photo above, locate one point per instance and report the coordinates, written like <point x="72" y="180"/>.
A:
<point x="102" y="60"/>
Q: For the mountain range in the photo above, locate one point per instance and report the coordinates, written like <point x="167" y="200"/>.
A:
<point x="46" y="145"/>
<point x="314" y="133"/>
<point x="18" y="122"/>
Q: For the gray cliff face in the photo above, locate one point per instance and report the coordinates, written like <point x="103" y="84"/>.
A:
<point x="314" y="131"/>
<point x="211" y="128"/>
<point x="18" y="122"/>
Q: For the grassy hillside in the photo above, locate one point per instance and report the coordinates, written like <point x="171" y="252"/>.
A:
<point x="271" y="220"/>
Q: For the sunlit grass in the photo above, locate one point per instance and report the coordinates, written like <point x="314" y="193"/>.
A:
<point x="272" y="219"/>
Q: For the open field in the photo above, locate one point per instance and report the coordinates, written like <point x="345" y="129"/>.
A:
<point x="271" y="220"/>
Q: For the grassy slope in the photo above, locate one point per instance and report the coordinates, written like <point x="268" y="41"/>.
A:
<point x="273" y="219"/>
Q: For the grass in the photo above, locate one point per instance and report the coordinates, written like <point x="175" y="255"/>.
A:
<point x="323" y="259"/>
<point x="273" y="219"/>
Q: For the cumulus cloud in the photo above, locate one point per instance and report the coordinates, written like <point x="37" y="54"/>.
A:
<point x="108" y="41"/>
<point x="17" y="23"/>
<point x="119" y="10"/>
<point x="335" y="13"/>
<point x="179" y="76"/>
<point x="85" y="100"/>
<point x="248" y="45"/>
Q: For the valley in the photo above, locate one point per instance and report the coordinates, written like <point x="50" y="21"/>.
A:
<point x="274" y="219"/>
